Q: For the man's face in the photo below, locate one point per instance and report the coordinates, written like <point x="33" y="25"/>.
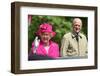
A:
<point x="77" y="25"/>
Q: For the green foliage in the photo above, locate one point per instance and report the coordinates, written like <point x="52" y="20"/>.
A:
<point x="61" y="25"/>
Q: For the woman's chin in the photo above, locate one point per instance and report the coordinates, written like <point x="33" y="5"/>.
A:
<point x="45" y="42"/>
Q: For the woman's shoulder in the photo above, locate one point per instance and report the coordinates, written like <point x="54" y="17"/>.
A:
<point x="54" y="43"/>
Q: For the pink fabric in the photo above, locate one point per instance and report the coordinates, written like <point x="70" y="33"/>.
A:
<point x="52" y="52"/>
<point x="29" y="19"/>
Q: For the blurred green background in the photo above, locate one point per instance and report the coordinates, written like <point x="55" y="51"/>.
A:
<point x="61" y="25"/>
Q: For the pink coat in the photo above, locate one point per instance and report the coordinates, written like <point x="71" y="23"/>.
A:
<point x="53" y="51"/>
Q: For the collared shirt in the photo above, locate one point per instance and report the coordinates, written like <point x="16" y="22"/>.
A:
<point x="71" y="47"/>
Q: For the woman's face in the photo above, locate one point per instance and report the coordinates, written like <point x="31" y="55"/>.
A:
<point x="45" y="37"/>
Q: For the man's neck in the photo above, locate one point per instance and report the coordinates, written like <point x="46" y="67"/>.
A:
<point x="76" y="33"/>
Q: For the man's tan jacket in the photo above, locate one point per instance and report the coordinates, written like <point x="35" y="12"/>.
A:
<point x="71" y="47"/>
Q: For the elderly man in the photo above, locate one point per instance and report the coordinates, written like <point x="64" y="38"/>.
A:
<point x="74" y="43"/>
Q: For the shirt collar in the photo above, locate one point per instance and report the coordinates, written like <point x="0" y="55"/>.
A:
<point x="74" y="35"/>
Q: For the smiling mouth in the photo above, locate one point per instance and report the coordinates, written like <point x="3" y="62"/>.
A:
<point x="77" y="29"/>
<point x="45" y="39"/>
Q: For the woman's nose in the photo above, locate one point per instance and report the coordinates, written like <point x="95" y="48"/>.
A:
<point x="45" y="36"/>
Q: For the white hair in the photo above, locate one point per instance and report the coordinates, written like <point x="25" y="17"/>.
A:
<point x="77" y="19"/>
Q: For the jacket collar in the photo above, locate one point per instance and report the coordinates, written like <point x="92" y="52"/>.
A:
<point x="74" y="35"/>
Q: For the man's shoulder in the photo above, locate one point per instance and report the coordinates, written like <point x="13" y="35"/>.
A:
<point x="82" y="35"/>
<point x="67" y="35"/>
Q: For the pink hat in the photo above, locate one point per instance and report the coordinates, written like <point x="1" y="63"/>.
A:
<point x="45" y="27"/>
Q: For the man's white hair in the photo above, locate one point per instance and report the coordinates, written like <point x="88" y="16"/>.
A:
<point x="77" y="19"/>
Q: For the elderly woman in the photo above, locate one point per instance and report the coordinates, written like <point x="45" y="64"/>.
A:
<point x="45" y="47"/>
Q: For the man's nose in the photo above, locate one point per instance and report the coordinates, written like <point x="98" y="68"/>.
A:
<point x="77" y="27"/>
